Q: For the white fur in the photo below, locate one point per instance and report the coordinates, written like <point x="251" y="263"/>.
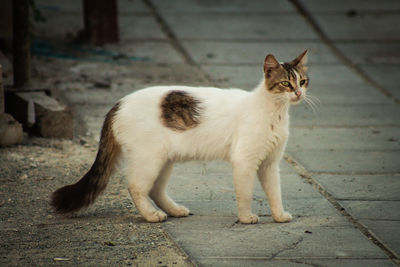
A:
<point x="248" y="129"/>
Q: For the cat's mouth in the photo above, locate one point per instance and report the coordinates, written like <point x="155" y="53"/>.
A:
<point x="296" y="99"/>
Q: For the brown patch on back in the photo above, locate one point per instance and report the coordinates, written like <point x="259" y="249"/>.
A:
<point x="180" y="111"/>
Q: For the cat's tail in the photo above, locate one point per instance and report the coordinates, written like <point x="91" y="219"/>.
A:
<point x="74" y="197"/>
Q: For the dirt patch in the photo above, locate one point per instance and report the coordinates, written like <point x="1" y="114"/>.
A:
<point x="109" y="233"/>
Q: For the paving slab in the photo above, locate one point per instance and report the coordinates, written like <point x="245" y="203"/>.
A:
<point x="371" y="53"/>
<point x="158" y="52"/>
<point x="387" y="231"/>
<point x="378" y="26"/>
<point x="261" y="262"/>
<point x="349" y="161"/>
<point x="139" y="27"/>
<point x="349" y="94"/>
<point x="333" y="243"/>
<point x="233" y="53"/>
<point x="299" y="207"/>
<point x="245" y="77"/>
<point x="346" y="115"/>
<point x="277" y="241"/>
<point x="342" y="6"/>
<point x="221" y="6"/>
<point x="195" y="186"/>
<point x="361" y="187"/>
<point x="239" y="27"/>
<point x="321" y="138"/>
<point x="383" y="210"/>
<point x="385" y="75"/>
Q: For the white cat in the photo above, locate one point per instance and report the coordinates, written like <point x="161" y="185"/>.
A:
<point x="157" y="126"/>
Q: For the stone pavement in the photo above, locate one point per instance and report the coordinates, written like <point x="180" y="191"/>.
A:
<point x="341" y="171"/>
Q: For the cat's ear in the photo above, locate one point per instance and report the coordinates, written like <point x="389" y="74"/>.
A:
<point x="300" y="60"/>
<point x="270" y="62"/>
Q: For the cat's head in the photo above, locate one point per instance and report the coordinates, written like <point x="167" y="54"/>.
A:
<point x="287" y="81"/>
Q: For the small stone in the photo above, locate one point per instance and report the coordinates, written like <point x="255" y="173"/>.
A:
<point x="61" y="259"/>
<point x="23" y="177"/>
<point x="109" y="243"/>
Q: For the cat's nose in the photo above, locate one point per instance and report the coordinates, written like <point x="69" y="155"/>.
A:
<point x="297" y="93"/>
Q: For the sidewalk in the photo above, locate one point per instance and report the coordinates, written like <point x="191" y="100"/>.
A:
<point x="342" y="165"/>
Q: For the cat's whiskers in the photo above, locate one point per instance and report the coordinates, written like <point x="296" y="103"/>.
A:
<point x="314" y="98"/>
<point x="309" y="100"/>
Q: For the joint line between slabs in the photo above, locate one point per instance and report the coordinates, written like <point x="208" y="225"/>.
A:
<point x="307" y="176"/>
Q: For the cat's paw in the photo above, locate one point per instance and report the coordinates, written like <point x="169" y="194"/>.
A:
<point x="283" y="217"/>
<point x="157" y="216"/>
<point x="179" y="211"/>
<point x="249" y="219"/>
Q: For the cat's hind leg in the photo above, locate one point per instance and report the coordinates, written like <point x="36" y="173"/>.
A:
<point x="160" y="196"/>
<point x="142" y="174"/>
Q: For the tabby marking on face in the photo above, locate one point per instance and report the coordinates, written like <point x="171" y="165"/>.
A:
<point x="289" y="77"/>
<point x="180" y="111"/>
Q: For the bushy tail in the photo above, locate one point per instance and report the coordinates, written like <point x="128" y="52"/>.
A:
<point x="74" y="197"/>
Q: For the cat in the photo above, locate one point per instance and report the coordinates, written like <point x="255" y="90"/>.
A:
<point x="154" y="127"/>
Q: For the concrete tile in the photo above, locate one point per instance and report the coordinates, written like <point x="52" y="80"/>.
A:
<point x="376" y="26"/>
<point x="346" y="93"/>
<point x="346" y="115"/>
<point x="385" y="75"/>
<point x="348" y="161"/>
<point x="338" y="84"/>
<point x="218" y="52"/>
<point x="197" y="186"/>
<point x="238" y="262"/>
<point x="333" y="76"/>
<point x="357" y="187"/>
<point x="334" y="243"/>
<point x="215" y="237"/>
<point x="131" y="7"/>
<point x="239" y="27"/>
<point x="156" y="52"/>
<point x="374" y="138"/>
<point x="345" y="5"/>
<point x="139" y="27"/>
<point x="371" y="53"/>
<point x="299" y="207"/>
<point x="244" y="77"/>
<point x="381" y="210"/>
<point x="387" y="232"/>
<point x="221" y="6"/>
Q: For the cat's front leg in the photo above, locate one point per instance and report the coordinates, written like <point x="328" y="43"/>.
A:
<point x="243" y="178"/>
<point x="269" y="177"/>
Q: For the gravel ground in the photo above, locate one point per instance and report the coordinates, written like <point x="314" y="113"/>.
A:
<point x="109" y="233"/>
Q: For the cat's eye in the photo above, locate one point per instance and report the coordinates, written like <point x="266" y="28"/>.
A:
<point x="285" y="83"/>
<point x="302" y="82"/>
